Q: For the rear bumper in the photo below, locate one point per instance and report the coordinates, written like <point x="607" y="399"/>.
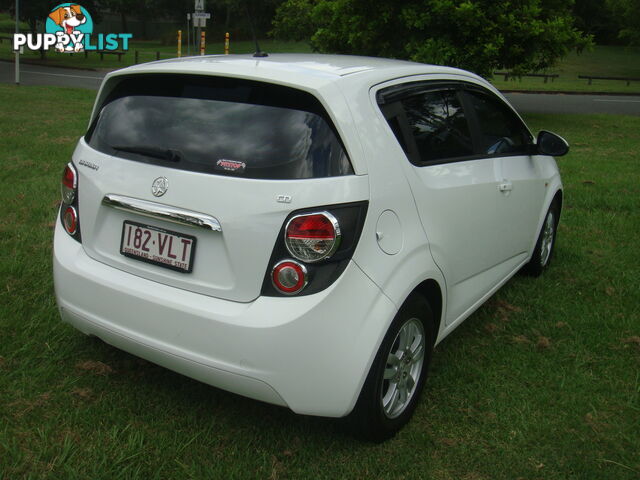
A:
<point x="309" y="353"/>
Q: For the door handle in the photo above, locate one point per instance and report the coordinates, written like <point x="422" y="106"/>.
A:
<point x="505" y="186"/>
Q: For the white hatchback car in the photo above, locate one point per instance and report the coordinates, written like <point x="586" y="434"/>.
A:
<point x="300" y="229"/>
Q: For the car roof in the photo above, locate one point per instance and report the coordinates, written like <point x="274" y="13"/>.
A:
<point x="310" y="70"/>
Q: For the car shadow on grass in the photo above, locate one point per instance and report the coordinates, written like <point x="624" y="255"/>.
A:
<point x="167" y="394"/>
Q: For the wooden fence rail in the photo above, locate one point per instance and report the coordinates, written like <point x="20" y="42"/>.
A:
<point x="591" y="78"/>
<point x="546" y="76"/>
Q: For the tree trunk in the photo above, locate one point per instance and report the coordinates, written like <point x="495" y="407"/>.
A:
<point x="33" y="28"/>
<point x="227" y="19"/>
<point x="123" y="18"/>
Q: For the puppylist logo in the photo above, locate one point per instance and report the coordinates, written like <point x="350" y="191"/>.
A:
<point x="69" y="29"/>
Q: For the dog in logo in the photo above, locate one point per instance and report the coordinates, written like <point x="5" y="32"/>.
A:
<point x="68" y="18"/>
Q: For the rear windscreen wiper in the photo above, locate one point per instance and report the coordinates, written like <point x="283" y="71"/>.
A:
<point x="150" y="151"/>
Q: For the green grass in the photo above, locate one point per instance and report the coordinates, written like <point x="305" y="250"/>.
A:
<point x="147" y="51"/>
<point x="602" y="61"/>
<point x="612" y="61"/>
<point x="8" y="24"/>
<point x="543" y="382"/>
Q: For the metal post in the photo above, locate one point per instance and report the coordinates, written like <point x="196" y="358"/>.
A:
<point x="199" y="8"/>
<point x="179" y="43"/>
<point x="199" y="36"/>
<point x="226" y="43"/>
<point x="189" y="34"/>
<point x="17" y="51"/>
<point x="202" y="43"/>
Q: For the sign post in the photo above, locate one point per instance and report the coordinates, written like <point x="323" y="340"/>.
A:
<point x="189" y="34"/>
<point x="17" y="51"/>
<point x="199" y="8"/>
<point x="200" y="18"/>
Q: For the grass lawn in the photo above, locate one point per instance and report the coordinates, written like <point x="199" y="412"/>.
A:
<point x="543" y="382"/>
<point x="602" y="61"/>
<point x="147" y="51"/>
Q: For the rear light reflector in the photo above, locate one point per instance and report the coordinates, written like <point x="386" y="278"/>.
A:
<point x="312" y="237"/>
<point x="70" y="220"/>
<point x="69" y="184"/>
<point x="289" y="277"/>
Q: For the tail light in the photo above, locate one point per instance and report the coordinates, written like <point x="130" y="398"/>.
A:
<point x="70" y="220"/>
<point x="69" y="209"/>
<point x="313" y="248"/>
<point x="312" y="237"/>
<point x="69" y="184"/>
<point x="289" y="277"/>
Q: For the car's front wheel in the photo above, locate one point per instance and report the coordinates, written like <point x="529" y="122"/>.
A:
<point x="393" y="386"/>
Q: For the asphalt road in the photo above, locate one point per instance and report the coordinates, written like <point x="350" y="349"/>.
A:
<point x="560" y="103"/>
<point x="60" y="77"/>
<point x="523" y="102"/>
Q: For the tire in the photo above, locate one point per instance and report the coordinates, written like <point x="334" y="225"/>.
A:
<point x="385" y="405"/>
<point x="543" y="251"/>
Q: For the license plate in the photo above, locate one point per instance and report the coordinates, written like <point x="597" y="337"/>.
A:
<point x="158" y="246"/>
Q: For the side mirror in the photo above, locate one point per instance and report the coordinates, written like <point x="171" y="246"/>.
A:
<point x="551" y="144"/>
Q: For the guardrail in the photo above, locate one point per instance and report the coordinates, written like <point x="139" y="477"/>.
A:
<point x="546" y="76"/>
<point x="591" y="78"/>
<point x="157" y="55"/>
<point x="136" y="54"/>
<point x="106" y="52"/>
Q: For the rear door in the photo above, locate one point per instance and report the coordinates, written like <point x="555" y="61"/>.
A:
<point x="456" y="191"/>
<point x="187" y="180"/>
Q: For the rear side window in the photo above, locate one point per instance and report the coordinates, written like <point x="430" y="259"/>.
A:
<point x="219" y="126"/>
<point x="438" y="125"/>
<point x="446" y="122"/>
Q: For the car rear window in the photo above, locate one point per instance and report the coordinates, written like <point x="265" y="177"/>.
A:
<point x="219" y="126"/>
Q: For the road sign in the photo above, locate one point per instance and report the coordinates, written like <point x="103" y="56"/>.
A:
<point x="199" y="6"/>
<point x="201" y="15"/>
<point x="199" y="22"/>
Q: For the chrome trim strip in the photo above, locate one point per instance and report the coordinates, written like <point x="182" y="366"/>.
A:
<point x="162" y="212"/>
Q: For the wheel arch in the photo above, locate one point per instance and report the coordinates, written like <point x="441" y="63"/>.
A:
<point x="431" y="291"/>
<point x="558" y="199"/>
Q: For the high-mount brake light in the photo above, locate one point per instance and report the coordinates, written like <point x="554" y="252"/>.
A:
<point x="70" y="220"/>
<point x="69" y="184"/>
<point x="312" y="237"/>
<point x="289" y="277"/>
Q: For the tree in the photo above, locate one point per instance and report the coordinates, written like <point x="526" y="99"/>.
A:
<point x="595" y="18"/>
<point x="35" y="12"/>
<point x="478" y="35"/>
<point x="626" y="11"/>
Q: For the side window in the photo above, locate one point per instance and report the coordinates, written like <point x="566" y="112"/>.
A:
<point x="438" y="125"/>
<point x="501" y="131"/>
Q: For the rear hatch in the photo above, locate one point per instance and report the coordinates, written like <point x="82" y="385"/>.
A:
<point x="187" y="180"/>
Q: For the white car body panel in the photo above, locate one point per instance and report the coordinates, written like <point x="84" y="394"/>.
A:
<point x="279" y="350"/>
<point x="449" y="224"/>
<point x="228" y="264"/>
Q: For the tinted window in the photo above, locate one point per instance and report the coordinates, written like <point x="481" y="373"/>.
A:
<point x="501" y="131"/>
<point x="438" y="125"/>
<point x="221" y="126"/>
